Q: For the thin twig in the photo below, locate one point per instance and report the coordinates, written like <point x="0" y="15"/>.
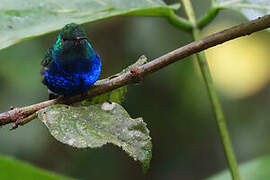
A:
<point x="130" y="77"/>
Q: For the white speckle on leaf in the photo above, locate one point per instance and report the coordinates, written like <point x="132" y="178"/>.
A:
<point x="108" y="106"/>
<point x="71" y="141"/>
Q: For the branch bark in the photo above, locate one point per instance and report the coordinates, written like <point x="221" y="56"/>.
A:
<point x="140" y="72"/>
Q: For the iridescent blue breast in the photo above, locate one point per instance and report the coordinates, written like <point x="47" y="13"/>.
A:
<point x="67" y="83"/>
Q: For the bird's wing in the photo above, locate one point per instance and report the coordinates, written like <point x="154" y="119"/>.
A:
<point x="48" y="58"/>
<point x="46" y="61"/>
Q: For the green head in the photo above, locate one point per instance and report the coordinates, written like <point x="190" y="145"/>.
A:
<point x="72" y="32"/>
<point x="71" y="45"/>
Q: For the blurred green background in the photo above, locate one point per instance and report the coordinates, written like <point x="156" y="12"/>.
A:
<point x="173" y="101"/>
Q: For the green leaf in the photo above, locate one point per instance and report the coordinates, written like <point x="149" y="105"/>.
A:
<point x="20" y="20"/>
<point x="117" y="96"/>
<point x="251" y="9"/>
<point x="95" y="125"/>
<point x="16" y="170"/>
<point x="257" y="169"/>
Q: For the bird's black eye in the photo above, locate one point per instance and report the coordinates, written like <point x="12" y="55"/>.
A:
<point x="60" y="43"/>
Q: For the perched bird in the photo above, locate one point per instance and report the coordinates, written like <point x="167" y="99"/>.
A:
<point x="71" y="66"/>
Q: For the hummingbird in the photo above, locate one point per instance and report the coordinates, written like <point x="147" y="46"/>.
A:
<point x="71" y="66"/>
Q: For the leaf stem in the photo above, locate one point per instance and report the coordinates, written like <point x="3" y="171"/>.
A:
<point x="189" y="11"/>
<point x="221" y="122"/>
<point x="179" y="22"/>
<point x="208" y="17"/>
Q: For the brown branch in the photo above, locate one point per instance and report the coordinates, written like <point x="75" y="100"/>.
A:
<point x="138" y="73"/>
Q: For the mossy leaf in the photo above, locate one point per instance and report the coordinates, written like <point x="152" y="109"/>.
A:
<point x="95" y="125"/>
